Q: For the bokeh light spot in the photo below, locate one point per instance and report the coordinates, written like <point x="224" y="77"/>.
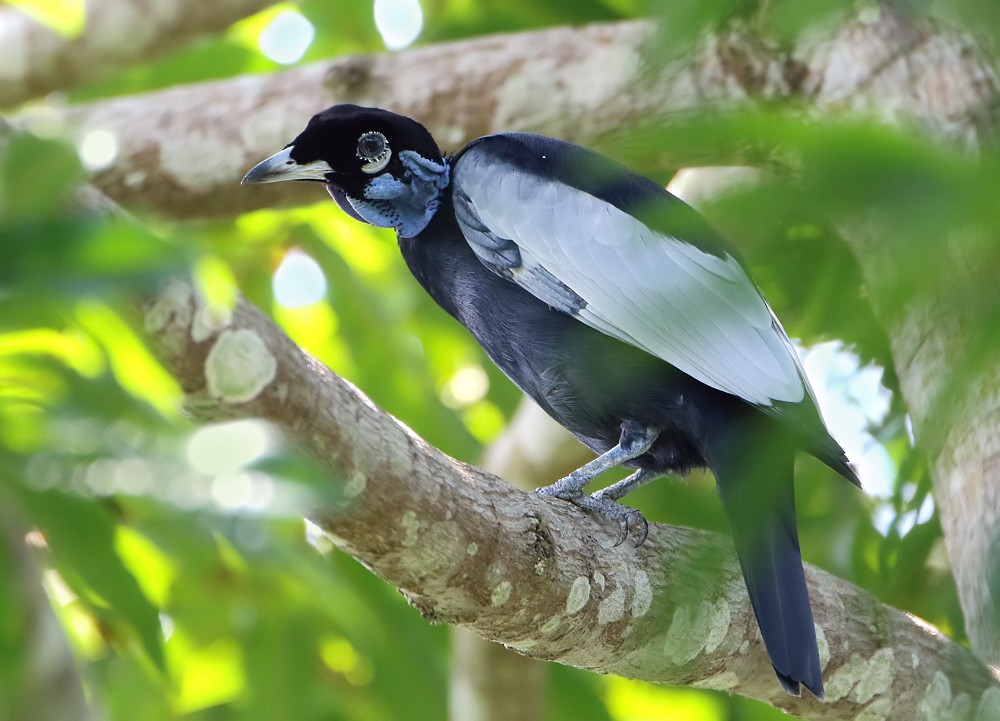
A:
<point x="287" y="38"/>
<point x="97" y="150"/>
<point x="299" y="281"/>
<point x="228" y="447"/>
<point x="398" y="21"/>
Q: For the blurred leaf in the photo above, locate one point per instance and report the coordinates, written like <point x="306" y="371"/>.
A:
<point x="574" y="695"/>
<point x="14" y="633"/>
<point x="214" y="279"/>
<point x="81" y="536"/>
<point x="203" y="60"/>
<point x="451" y="19"/>
<point x="282" y="664"/>
<point x="154" y="571"/>
<point x="70" y="347"/>
<point x="134" y="366"/>
<point x="787" y="20"/>
<point x="633" y="701"/>
<point x="35" y="175"/>
<point x="66" y="17"/>
<point x="206" y="676"/>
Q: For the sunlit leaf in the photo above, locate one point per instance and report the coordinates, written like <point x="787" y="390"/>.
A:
<point x="72" y="348"/>
<point x="214" y="280"/>
<point x="208" y="675"/>
<point x="634" y="701"/>
<point x="66" y="17"/>
<point x="133" y="364"/>
<point x="247" y="31"/>
<point x="153" y="570"/>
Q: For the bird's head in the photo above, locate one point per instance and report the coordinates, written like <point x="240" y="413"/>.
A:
<point x="382" y="168"/>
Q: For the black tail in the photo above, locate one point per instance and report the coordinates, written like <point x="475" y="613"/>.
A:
<point x="754" y="476"/>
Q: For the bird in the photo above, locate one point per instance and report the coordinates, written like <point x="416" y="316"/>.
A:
<point x="618" y="309"/>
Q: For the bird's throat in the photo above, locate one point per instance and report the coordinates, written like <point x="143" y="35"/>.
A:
<point x="408" y="203"/>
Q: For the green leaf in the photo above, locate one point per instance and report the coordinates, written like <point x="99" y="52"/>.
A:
<point x="35" y="175"/>
<point x="81" y="536"/>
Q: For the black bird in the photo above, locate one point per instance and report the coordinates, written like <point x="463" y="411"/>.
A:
<point x="618" y="309"/>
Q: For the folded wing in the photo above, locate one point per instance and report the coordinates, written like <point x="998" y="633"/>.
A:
<point x="692" y="306"/>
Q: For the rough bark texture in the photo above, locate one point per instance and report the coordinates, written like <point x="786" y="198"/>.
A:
<point x="35" y="60"/>
<point x="537" y="574"/>
<point x="965" y="467"/>
<point x="954" y="406"/>
<point x="488" y="681"/>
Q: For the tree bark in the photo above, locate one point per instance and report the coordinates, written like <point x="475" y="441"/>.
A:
<point x="537" y="574"/>
<point x="488" y="681"/>
<point x="35" y="59"/>
<point x="183" y="150"/>
<point x="941" y="336"/>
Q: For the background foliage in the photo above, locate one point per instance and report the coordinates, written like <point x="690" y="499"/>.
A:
<point x="175" y="557"/>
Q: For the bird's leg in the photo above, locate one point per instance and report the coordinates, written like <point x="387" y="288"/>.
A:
<point x="626" y="485"/>
<point x="635" y="440"/>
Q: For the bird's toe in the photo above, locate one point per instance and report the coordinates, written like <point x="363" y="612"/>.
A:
<point x="630" y="522"/>
<point x="564" y="489"/>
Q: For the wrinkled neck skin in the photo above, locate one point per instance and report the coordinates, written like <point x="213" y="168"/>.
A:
<point x="406" y="204"/>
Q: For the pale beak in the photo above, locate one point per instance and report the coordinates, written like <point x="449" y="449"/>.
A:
<point x="280" y="166"/>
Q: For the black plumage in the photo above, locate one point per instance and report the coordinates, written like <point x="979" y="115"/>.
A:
<point x="614" y="306"/>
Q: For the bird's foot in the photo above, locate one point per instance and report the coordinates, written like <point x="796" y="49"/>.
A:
<point x="630" y="522"/>
<point x="636" y="439"/>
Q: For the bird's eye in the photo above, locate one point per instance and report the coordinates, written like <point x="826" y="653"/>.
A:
<point x="371" y="145"/>
<point x="374" y="148"/>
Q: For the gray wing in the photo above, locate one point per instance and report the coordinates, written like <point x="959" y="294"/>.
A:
<point x="580" y="254"/>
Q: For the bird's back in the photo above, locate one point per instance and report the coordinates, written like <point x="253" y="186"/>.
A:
<point x="509" y="157"/>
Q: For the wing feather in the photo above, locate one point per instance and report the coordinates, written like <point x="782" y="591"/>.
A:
<point x="695" y="309"/>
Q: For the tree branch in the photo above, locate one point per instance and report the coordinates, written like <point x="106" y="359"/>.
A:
<point x="489" y="682"/>
<point x="942" y="333"/>
<point x="35" y="59"/>
<point x="182" y="148"/>
<point x="538" y="574"/>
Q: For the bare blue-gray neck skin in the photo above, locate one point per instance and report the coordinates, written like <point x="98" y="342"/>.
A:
<point x="406" y="204"/>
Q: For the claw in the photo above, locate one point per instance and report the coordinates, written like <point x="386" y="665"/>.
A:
<point x="645" y="531"/>
<point x="622" y="531"/>
<point x="630" y="521"/>
<point x="625" y="522"/>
